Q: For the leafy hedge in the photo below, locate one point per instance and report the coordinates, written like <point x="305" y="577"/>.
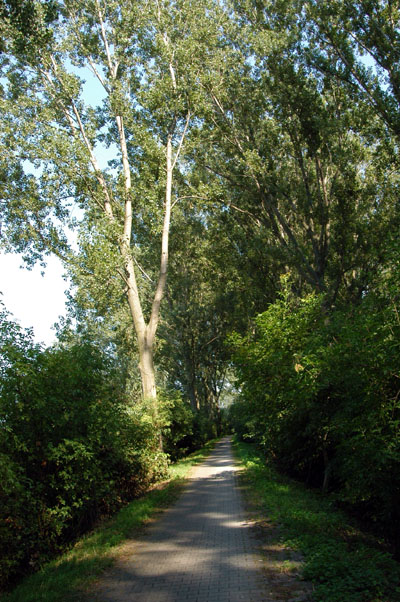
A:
<point x="320" y="394"/>
<point x="72" y="447"/>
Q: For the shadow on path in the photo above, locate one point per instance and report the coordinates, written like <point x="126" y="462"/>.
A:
<point x="200" y="550"/>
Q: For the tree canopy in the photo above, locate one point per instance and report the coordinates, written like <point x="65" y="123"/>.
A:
<point x="221" y="181"/>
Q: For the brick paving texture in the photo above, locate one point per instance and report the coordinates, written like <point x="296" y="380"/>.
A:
<point x="199" y="551"/>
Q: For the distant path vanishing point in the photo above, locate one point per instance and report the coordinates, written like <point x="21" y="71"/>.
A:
<point x="200" y="550"/>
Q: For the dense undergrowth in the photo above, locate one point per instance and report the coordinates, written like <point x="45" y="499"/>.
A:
<point x="341" y="562"/>
<point x="74" y="445"/>
<point x="70" y="576"/>
<point x="320" y="395"/>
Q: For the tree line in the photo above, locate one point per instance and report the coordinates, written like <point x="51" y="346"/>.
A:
<point x="237" y="173"/>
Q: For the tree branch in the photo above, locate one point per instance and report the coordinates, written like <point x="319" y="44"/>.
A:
<point x="112" y="67"/>
<point x="181" y="140"/>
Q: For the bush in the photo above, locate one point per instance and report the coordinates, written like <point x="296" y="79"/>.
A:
<point x="320" y="394"/>
<point x="183" y="429"/>
<point x="205" y="428"/>
<point x="178" y="420"/>
<point x="72" y="447"/>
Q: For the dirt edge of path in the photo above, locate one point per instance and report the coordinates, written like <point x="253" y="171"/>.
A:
<point x="281" y="565"/>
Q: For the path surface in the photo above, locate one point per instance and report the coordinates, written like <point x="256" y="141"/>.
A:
<point x="199" y="551"/>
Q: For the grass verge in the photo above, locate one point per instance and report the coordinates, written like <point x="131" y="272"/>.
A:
<point x="343" y="564"/>
<point x="67" y="577"/>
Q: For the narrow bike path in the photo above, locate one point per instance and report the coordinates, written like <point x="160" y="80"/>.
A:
<point x="200" y="549"/>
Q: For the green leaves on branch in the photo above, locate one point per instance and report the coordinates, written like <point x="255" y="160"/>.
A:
<point x="320" y="393"/>
<point x="73" y="445"/>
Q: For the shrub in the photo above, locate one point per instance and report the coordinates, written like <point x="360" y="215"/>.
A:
<point x="320" y="394"/>
<point x="178" y="419"/>
<point x="72" y="447"/>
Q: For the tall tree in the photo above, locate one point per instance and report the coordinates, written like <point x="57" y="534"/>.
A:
<point x="146" y="58"/>
<point x="295" y="155"/>
<point x="359" y="44"/>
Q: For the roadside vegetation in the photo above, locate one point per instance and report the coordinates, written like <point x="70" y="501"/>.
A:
<point x="67" y="577"/>
<point x="342" y="562"/>
<point x="320" y="396"/>
<point x="75" y="444"/>
<point x="221" y="182"/>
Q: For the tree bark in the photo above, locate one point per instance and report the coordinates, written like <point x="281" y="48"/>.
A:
<point x="327" y="466"/>
<point x="146" y="366"/>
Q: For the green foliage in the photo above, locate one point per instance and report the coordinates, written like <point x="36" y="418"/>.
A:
<point x="320" y="394"/>
<point x="341" y="563"/>
<point x="205" y="427"/>
<point x="72" y="447"/>
<point x="177" y="418"/>
<point x="183" y="429"/>
<point x="72" y="573"/>
<point x="359" y="43"/>
<point x="272" y="371"/>
<point x="294" y="153"/>
<point x="26" y="22"/>
<point x="196" y="320"/>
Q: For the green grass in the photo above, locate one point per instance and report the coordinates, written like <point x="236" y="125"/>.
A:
<point x="343" y="564"/>
<point x="66" y="578"/>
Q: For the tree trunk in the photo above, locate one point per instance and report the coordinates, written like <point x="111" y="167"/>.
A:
<point x="327" y="466"/>
<point x="147" y="371"/>
<point x="194" y="399"/>
<point x="148" y="378"/>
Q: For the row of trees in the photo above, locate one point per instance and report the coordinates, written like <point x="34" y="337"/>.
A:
<point x="225" y="144"/>
<point x="316" y="169"/>
<point x="260" y="120"/>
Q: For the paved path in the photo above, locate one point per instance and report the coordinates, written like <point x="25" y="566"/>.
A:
<point x="199" y="551"/>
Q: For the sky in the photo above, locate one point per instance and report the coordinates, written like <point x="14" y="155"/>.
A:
<point x="38" y="301"/>
<point x="35" y="301"/>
